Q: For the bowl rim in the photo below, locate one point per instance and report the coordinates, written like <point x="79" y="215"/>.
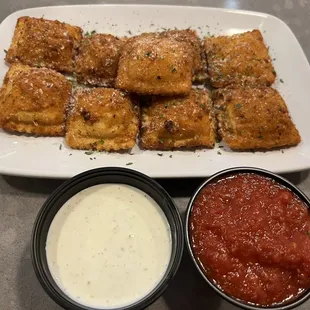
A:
<point x="237" y="302"/>
<point x="45" y="279"/>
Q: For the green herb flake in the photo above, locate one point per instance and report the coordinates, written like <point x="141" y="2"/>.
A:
<point x="274" y="73"/>
<point x="170" y="156"/>
<point x="261" y="137"/>
<point x="5" y="51"/>
<point x="238" y="106"/>
<point x="161" y="141"/>
<point x="101" y="141"/>
<point x="160" y="154"/>
<point x="173" y="69"/>
<point x="128" y="164"/>
<point x="281" y="81"/>
<point x="202" y="105"/>
<point x="219" y="153"/>
<point x="60" y="147"/>
<point x="70" y="154"/>
<point x="89" y="34"/>
<point x="129" y="32"/>
<point x="89" y="152"/>
<point x="147" y="54"/>
<point x="161" y="115"/>
<point x="282" y="151"/>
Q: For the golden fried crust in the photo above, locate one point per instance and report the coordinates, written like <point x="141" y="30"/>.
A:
<point x="255" y="118"/>
<point x="102" y="119"/>
<point x="97" y="60"/>
<point x="153" y="65"/>
<point x="241" y="59"/>
<point x="34" y="101"/>
<point x="169" y="123"/>
<point x="191" y="38"/>
<point x="38" y="42"/>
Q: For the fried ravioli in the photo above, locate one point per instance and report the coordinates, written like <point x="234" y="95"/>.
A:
<point x="102" y="119"/>
<point x="153" y="65"/>
<point x="241" y="59"/>
<point x="254" y="119"/>
<point x="38" y="42"/>
<point x="179" y="122"/>
<point x="97" y="60"/>
<point x="191" y="38"/>
<point x="34" y="101"/>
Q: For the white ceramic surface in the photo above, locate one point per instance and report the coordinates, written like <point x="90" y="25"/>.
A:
<point x="50" y="157"/>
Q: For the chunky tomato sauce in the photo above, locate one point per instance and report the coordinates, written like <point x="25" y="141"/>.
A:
<point x="251" y="236"/>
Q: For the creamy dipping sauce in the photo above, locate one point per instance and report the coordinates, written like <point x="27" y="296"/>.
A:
<point x="108" y="246"/>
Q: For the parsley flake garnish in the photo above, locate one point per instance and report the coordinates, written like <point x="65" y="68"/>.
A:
<point x="5" y="51"/>
<point x="89" y="34"/>
<point x="147" y="54"/>
<point x="281" y="81"/>
<point x="238" y="106"/>
<point x="219" y="153"/>
<point x="89" y="152"/>
<point x="128" y="164"/>
<point x="172" y="68"/>
<point x="160" y="154"/>
<point x="60" y="147"/>
<point x="170" y="156"/>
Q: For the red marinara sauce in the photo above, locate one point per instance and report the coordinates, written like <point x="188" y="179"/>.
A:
<point x="251" y="236"/>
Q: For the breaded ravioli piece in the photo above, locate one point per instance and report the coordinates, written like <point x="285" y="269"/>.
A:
<point x="153" y="65"/>
<point x="102" y="119"/>
<point x="241" y="59"/>
<point x="38" y="42"/>
<point x="190" y="37"/>
<point x="254" y="119"/>
<point x="178" y="122"/>
<point x="34" y="101"/>
<point x="97" y="60"/>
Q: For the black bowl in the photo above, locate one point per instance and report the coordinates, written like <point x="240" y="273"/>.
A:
<point x="77" y="184"/>
<point x="242" y="304"/>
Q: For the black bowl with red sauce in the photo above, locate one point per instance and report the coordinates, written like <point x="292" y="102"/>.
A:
<point x="248" y="233"/>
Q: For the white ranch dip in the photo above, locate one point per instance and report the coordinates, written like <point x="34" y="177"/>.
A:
<point x="108" y="246"/>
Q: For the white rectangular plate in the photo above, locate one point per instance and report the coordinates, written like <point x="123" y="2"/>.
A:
<point x="44" y="157"/>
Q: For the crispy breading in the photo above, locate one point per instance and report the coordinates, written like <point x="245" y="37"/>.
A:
<point x="38" y="42"/>
<point x="154" y="65"/>
<point x="254" y="118"/>
<point x="102" y="119"/>
<point x="34" y="101"/>
<point x="97" y="60"/>
<point x="241" y="59"/>
<point x="190" y="37"/>
<point x="178" y="122"/>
